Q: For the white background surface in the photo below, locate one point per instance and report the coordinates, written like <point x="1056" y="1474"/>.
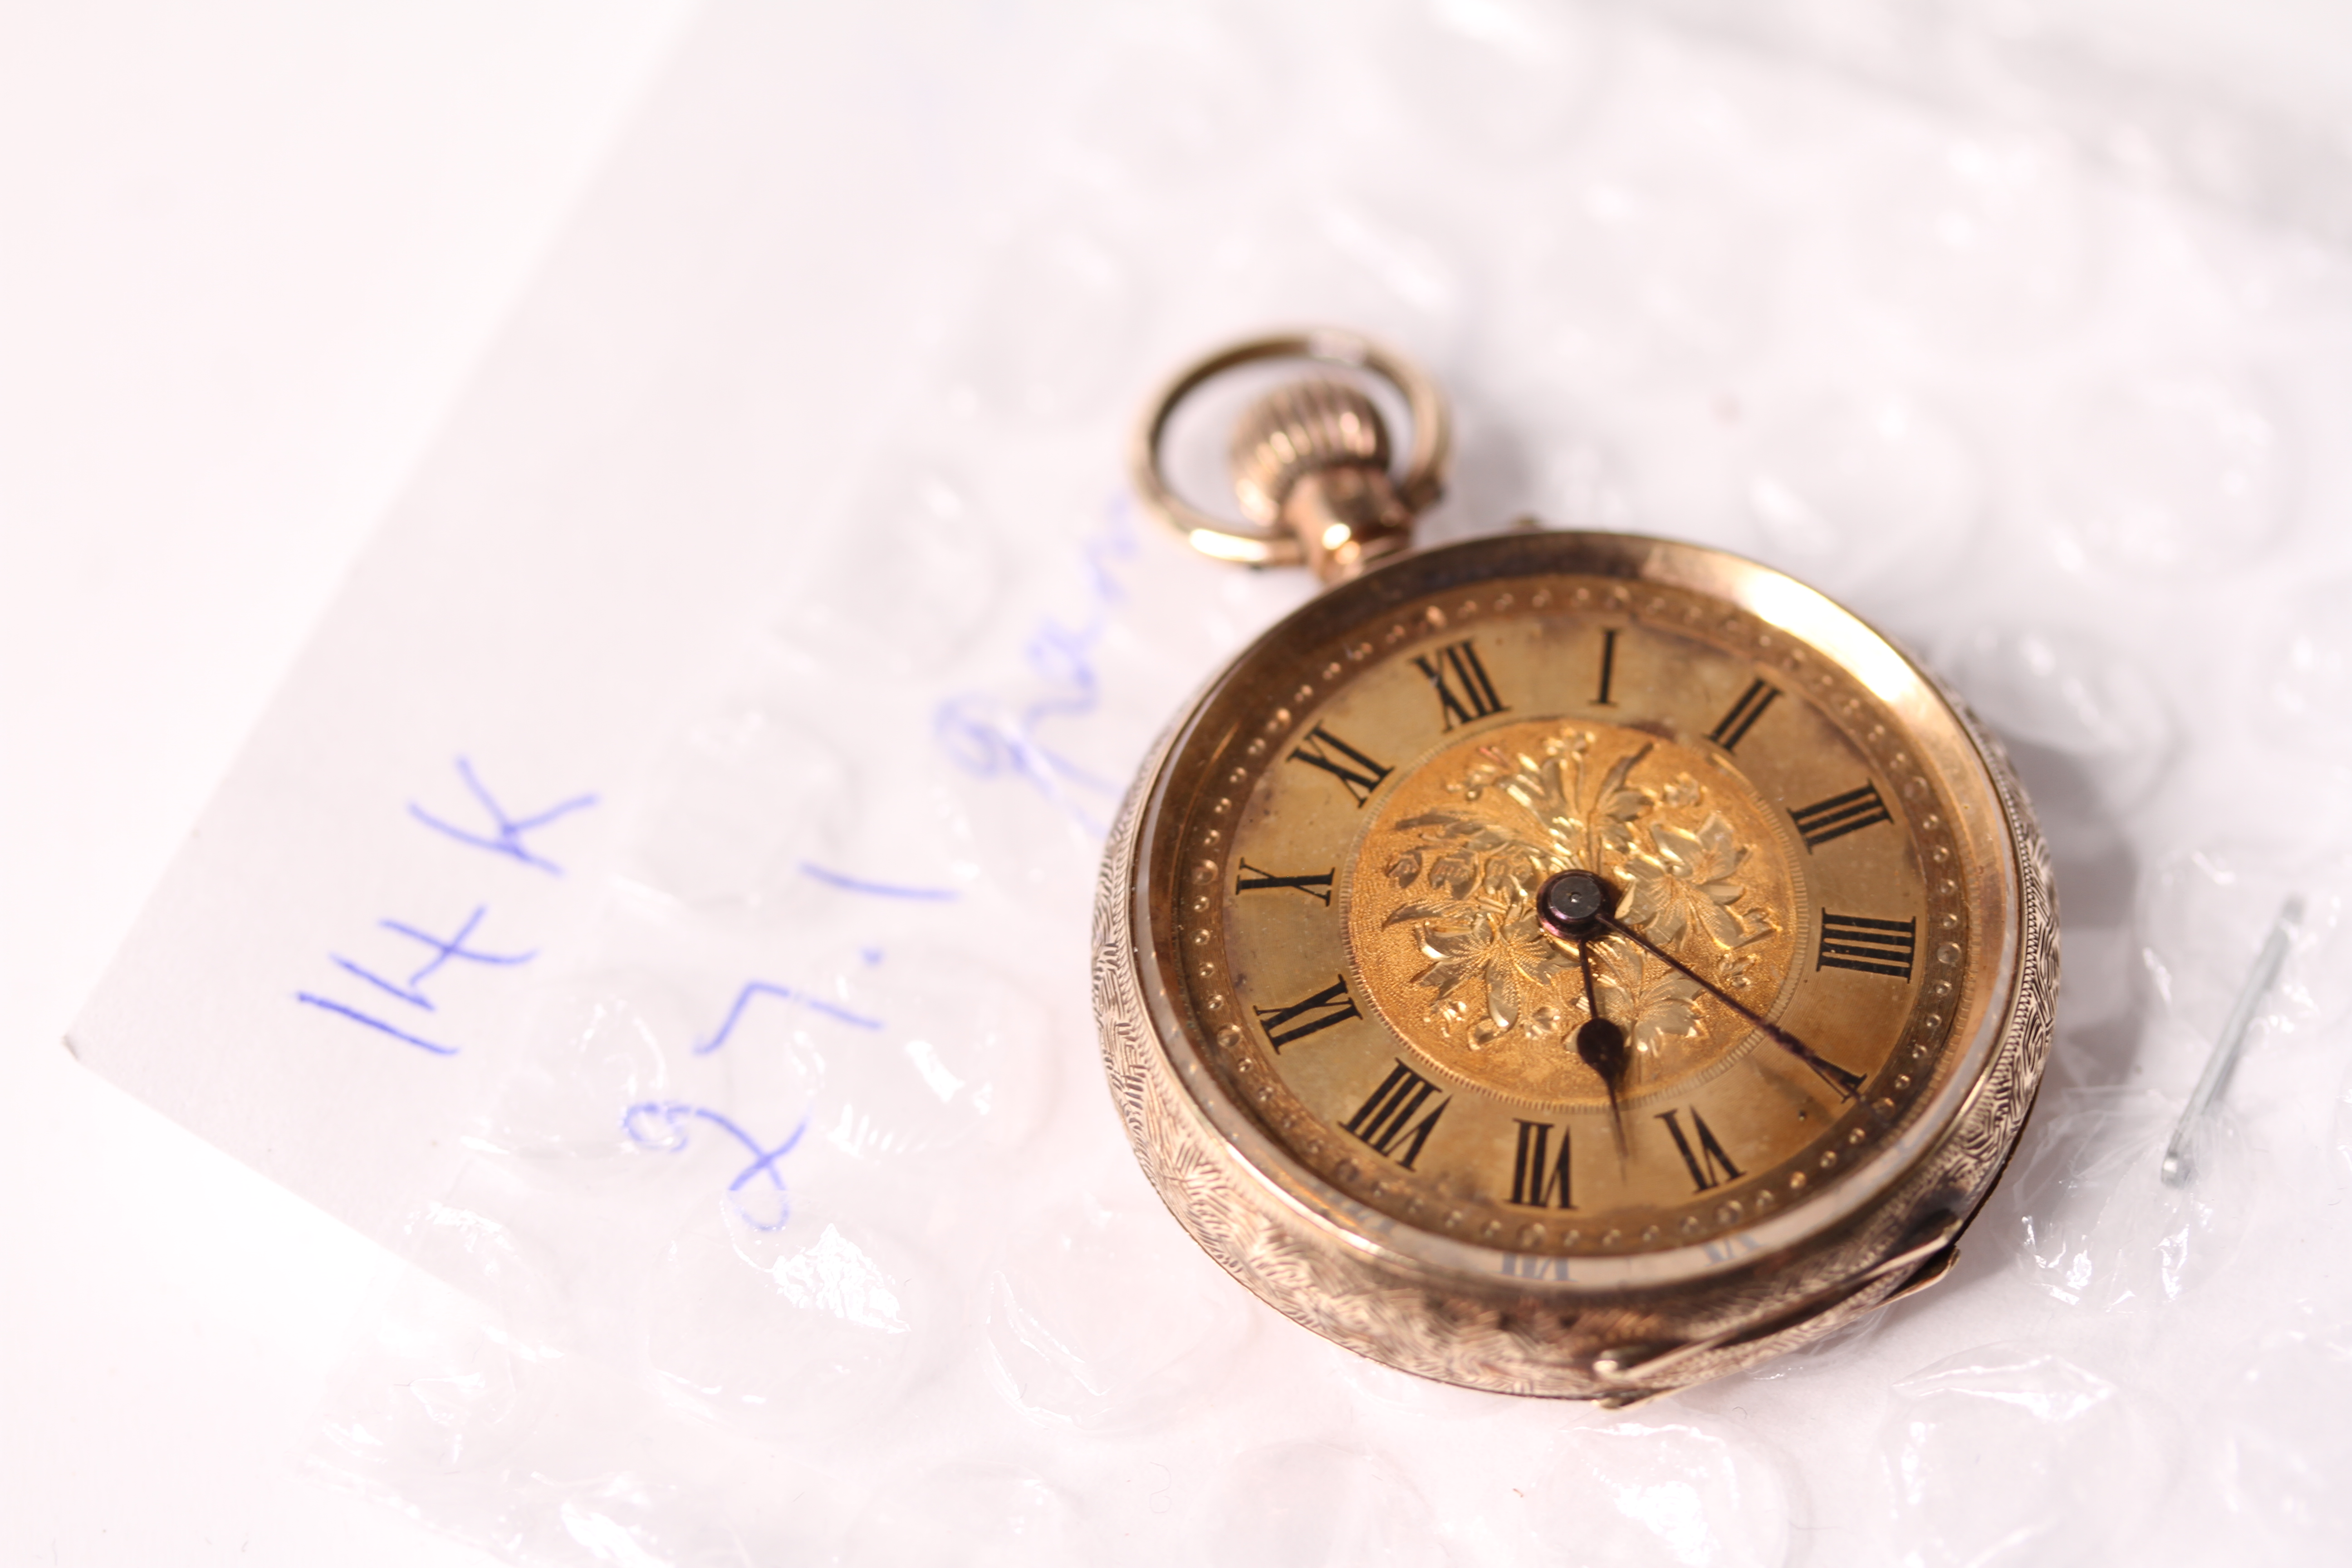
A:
<point x="248" y="252"/>
<point x="247" y="258"/>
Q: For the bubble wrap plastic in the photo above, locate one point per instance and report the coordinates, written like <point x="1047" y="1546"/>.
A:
<point x="798" y="1228"/>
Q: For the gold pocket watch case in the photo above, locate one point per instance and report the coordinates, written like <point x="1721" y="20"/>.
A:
<point x="1559" y="964"/>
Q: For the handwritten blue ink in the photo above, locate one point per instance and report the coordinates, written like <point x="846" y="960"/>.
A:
<point x="506" y="837"/>
<point x="879" y="889"/>
<point x="357" y="1016"/>
<point x="783" y="993"/>
<point x="674" y="1113"/>
<point x="442" y="952"/>
<point x="988" y="738"/>
<point x="507" y="831"/>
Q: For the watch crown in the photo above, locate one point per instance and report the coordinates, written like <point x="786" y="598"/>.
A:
<point x="1300" y="428"/>
<point x="1313" y="455"/>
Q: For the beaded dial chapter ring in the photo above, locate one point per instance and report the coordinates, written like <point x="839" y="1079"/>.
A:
<point x="1707" y="891"/>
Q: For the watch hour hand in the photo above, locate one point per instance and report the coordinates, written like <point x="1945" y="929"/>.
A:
<point x="1600" y="1042"/>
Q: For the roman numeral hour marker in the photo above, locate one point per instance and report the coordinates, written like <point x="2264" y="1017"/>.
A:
<point x="1385" y="1122"/>
<point x="1734" y="726"/>
<point x="1464" y="691"/>
<point x="1874" y="947"/>
<point x="1331" y="1005"/>
<point x="1840" y="815"/>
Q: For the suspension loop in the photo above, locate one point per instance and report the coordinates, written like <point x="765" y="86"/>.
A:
<point x="1277" y="542"/>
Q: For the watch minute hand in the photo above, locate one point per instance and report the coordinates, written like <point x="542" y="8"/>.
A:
<point x="1847" y="1083"/>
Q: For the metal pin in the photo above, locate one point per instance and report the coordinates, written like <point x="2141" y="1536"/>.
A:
<point x="2178" y="1165"/>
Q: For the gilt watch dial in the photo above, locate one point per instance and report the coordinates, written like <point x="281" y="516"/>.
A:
<point x="1572" y="916"/>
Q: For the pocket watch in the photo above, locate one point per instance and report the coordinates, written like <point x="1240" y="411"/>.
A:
<point x="1563" y="963"/>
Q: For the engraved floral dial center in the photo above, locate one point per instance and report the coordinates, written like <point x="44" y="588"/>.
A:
<point x="1482" y="879"/>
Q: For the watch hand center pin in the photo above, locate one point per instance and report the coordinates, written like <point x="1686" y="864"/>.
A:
<point x="1575" y="905"/>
